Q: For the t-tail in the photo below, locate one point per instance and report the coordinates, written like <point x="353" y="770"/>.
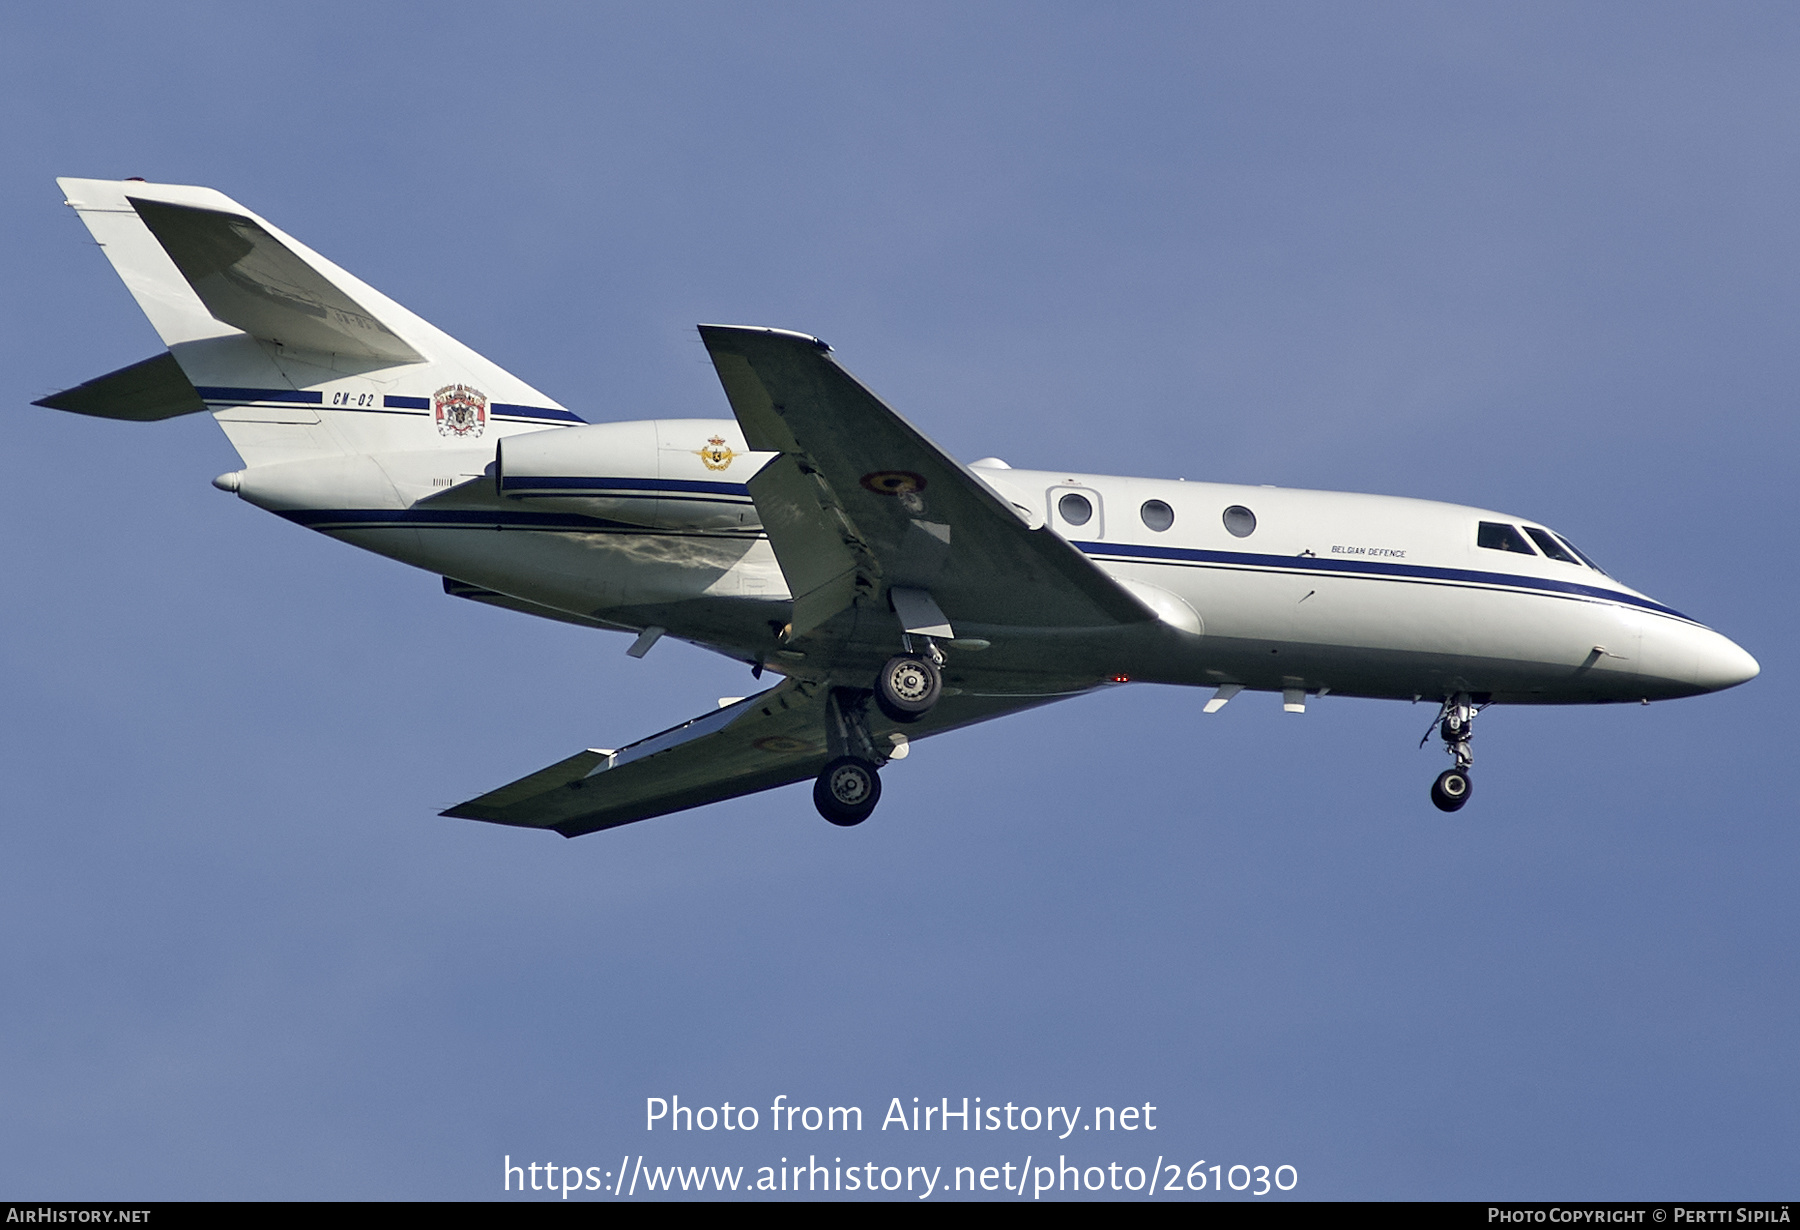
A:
<point x="296" y="359"/>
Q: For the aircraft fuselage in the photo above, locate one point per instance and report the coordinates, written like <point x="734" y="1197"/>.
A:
<point x="1268" y="588"/>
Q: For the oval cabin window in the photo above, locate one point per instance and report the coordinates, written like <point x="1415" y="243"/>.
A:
<point x="1240" y="521"/>
<point x="1075" y="509"/>
<point x="1157" y="515"/>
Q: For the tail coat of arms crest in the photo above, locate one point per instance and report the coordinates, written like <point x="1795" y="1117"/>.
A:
<point x="460" y="411"/>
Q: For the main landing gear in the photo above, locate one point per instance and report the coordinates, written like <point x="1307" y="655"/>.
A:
<point x="1455" y="725"/>
<point x="847" y="791"/>
<point x="910" y="684"/>
<point x="849" y="786"/>
<point x="906" y="688"/>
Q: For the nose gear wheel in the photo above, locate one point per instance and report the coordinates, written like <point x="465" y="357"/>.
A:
<point x="1451" y="790"/>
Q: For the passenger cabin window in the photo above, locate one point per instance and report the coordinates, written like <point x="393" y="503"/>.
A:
<point x="1157" y="515"/>
<point x="1549" y="546"/>
<point x="1240" y="522"/>
<point x="1075" y="509"/>
<point x="1498" y="536"/>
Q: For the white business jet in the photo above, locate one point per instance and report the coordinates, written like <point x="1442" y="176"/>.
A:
<point x="818" y="536"/>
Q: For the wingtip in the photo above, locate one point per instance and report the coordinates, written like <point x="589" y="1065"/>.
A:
<point x="709" y="331"/>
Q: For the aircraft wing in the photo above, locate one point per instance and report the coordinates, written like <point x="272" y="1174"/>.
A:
<point x="763" y="741"/>
<point x="767" y="740"/>
<point x="861" y="504"/>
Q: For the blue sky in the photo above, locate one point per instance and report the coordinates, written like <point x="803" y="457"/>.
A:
<point x="1539" y="258"/>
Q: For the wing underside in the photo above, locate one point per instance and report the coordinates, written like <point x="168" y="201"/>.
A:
<point x="764" y="741"/>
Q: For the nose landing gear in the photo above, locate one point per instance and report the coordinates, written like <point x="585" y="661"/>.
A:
<point x="1451" y="789"/>
<point x="1455" y="725"/>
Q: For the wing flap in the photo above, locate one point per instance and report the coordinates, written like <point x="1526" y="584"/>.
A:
<point x="809" y="535"/>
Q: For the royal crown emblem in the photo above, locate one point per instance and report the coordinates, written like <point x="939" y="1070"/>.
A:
<point x="460" y="411"/>
<point x="717" y="454"/>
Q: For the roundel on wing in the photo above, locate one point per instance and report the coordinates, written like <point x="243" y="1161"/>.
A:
<point x="894" y="482"/>
<point x="785" y="745"/>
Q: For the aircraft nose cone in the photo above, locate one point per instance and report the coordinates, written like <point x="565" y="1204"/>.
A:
<point x="1722" y="663"/>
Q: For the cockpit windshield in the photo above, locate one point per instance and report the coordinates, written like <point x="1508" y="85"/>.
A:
<point x="1499" y="536"/>
<point x="1580" y="555"/>
<point x="1549" y="546"/>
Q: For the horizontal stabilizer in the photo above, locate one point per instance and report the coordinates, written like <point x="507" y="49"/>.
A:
<point x="249" y="279"/>
<point x="144" y="392"/>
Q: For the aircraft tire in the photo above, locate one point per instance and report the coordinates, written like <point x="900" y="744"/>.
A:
<point x="1451" y="790"/>
<point x="847" y="790"/>
<point x="907" y="688"/>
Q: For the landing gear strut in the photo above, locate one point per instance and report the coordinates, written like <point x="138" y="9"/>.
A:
<point x="849" y="786"/>
<point x="906" y="688"/>
<point x="1455" y="725"/>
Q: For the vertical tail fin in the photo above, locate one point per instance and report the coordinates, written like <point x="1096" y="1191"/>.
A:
<point x="294" y="356"/>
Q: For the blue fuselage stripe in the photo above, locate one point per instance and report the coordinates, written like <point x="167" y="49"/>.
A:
<point x="471" y="519"/>
<point x="655" y="485"/>
<point x="1365" y="568"/>
<point x="210" y="392"/>
<point x="502" y="410"/>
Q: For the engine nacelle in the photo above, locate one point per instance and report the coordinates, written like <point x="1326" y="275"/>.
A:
<point x="659" y="473"/>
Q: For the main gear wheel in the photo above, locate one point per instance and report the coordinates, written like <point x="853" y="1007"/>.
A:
<point x="847" y="790"/>
<point x="907" y="687"/>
